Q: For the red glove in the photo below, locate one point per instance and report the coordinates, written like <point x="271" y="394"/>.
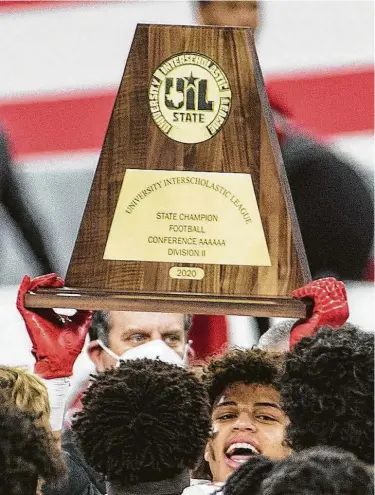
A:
<point x="57" y="341"/>
<point x="329" y="307"/>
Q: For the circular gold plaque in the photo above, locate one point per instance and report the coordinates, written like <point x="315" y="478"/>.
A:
<point x="189" y="97"/>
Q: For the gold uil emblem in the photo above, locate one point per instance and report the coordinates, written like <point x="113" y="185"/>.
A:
<point x="189" y="97"/>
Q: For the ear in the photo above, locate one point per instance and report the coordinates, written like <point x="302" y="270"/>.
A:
<point x="95" y="353"/>
<point x="208" y="452"/>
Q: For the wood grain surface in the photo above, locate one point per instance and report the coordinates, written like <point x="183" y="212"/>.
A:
<point x="247" y="143"/>
<point x="166" y="303"/>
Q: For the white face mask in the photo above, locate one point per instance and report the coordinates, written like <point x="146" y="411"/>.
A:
<point x="155" y="349"/>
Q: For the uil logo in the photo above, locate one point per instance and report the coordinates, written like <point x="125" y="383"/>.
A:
<point x="189" y="97"/>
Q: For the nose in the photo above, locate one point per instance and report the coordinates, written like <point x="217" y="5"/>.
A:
<point x="244" y="423"/>
<point x="156" y="335"/>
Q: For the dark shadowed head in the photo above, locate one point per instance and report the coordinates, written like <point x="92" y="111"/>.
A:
<point x="27" y="454"/>
<point x="144" y="421"/>
<point x="229" y="13"/>
<point x="315" y="471"/>
<point x="328" y="391"/>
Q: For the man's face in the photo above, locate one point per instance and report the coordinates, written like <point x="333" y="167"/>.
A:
<point x="130" y="329"/>
<point x="246" y="421"/>
<point x="224" y="13"/>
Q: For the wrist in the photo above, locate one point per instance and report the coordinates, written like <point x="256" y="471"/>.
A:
<point x="49" y="370"/>
<point x="58" y="390"/>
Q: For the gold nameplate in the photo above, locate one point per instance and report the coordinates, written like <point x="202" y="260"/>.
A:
<point x="187" y="217"/>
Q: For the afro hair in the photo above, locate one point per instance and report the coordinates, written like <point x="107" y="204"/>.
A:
<point x="327" y="391"/>
<point x="242" y="365"/>
<point x="315" y="471"/>
<point x="249" y="477"/>
<point x="27" y="453"/>
<point x="143" y="421"/>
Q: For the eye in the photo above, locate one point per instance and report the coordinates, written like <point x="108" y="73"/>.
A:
<point x="137" y="338"/>
<point x="172" y="339"/>
<point x="266" y="417"/>
<point x="227" y="416"/>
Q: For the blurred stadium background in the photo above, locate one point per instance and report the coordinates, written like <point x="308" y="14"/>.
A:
<point x="61" y="64"/>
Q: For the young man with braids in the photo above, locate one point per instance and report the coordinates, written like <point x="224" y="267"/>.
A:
<point x="143" y="426"/>
<point x="327" y="391"/>
<point x="315" y="471"/>
<point x="246" y="417"/>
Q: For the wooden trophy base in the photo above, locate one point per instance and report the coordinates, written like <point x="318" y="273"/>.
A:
<point x="282" y="307"/>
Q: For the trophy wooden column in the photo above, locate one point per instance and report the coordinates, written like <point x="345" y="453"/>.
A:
<point x="191" y="136"/>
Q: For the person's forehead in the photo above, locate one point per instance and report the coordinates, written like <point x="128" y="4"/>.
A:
<point x="120" y="320"/>
<point x="246" y="4"/>
<point x="242" y="393"/>
<point x="232" y="4"/>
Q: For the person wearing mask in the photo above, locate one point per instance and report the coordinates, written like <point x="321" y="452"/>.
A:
<point x="114" y="333"/>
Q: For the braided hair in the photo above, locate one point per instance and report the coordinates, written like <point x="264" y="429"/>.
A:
<point x="144" y="421"/>
<point x="328" y="391"/>
<point x="315" y="471"/>
<point x="249" y="477"/>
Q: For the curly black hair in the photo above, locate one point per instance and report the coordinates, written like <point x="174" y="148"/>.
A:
<point x="315" y="471"/>
<point x="249" y="477"/>
<point x="144" y="421"/>
<point x="327" y="391"/>
<point x="27" y="453"/>
<point x="242" y="365"/>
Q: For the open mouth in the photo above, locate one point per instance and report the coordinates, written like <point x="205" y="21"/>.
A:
<point x="238" y="453"/>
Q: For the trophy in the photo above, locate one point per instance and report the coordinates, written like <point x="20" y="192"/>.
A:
<point x="190" y="209"/>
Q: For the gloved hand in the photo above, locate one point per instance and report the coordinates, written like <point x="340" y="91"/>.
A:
<point x="57" y="341"/>
<point x="327" y="305"/>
